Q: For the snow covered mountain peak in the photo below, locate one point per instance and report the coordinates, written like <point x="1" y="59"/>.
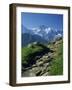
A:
<point x="46" y="32"/>
<point x="42" y="29"/>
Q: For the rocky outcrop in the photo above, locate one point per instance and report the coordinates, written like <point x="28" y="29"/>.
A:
<point x="40" y="68"/>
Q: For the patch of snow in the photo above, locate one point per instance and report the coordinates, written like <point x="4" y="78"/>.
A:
<point x="47" y="30"/>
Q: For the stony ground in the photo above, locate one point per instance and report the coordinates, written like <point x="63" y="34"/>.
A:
<point x="43" y="62"/>
<point x="41" y="67"/>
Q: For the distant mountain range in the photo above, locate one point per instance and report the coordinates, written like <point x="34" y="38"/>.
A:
<point x="42" y="34"/>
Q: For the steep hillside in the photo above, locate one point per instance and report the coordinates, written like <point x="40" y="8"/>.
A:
<point x="56" y="67"/>
<point x="41" y="60"/>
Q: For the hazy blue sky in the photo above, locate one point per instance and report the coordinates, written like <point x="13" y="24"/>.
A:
<point x="32" y="20"/>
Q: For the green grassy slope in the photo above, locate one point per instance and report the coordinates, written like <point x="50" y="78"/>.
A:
<point x="32" y="50"/>
<point x="29" y="53"/>
<point x="57" y="62"/>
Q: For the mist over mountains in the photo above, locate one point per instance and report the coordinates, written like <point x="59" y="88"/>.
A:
<point x="42" y="34"/>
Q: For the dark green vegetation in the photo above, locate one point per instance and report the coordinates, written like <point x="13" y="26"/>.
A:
<point x="42" y="60"/>
<point x="30" y="52"/>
